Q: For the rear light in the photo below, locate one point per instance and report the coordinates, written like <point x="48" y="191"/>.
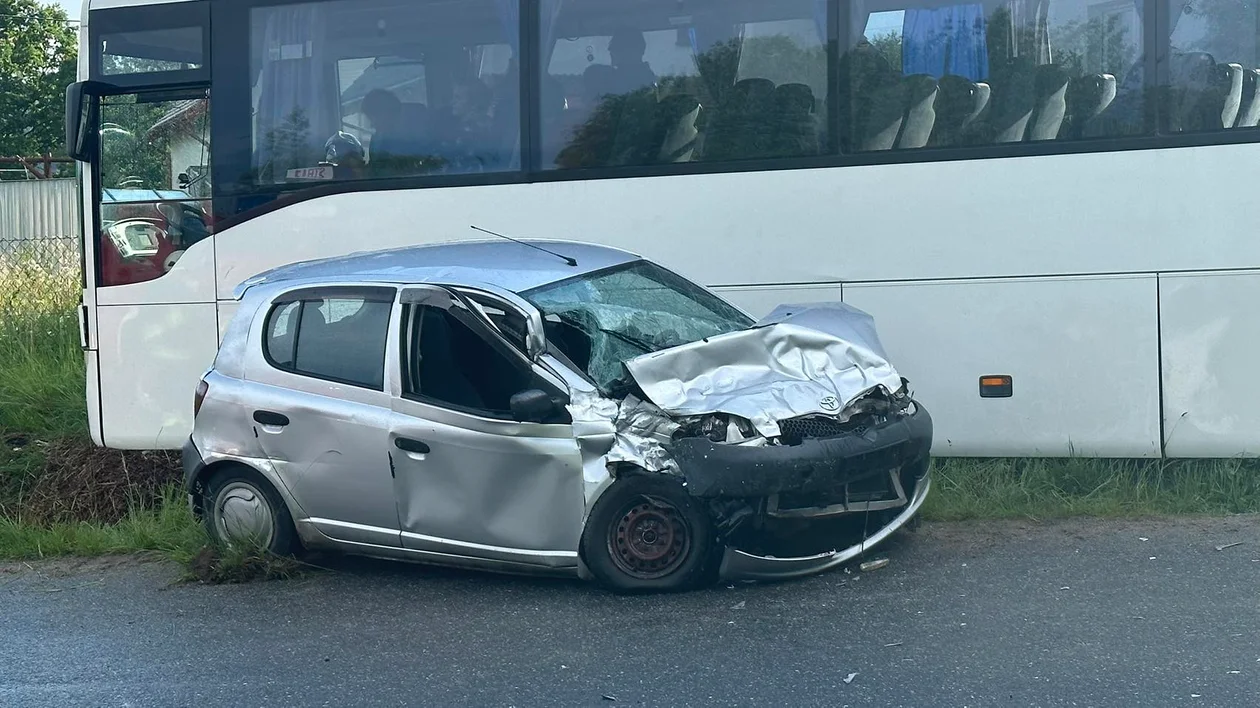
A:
<point x="202" y="389"/>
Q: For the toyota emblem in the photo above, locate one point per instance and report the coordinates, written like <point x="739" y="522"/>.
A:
<point x="830" y="404"/>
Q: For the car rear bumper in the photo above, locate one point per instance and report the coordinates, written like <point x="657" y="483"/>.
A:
<point x="192" y="462"/>
<point x="818" y="465"/>
<point x="739" y="565"/>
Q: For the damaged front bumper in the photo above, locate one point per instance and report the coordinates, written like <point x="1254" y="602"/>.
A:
<point x="813" y="466"/>
<point x="741" y="565"/>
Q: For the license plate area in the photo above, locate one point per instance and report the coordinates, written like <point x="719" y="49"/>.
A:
<point x="873" y="493"/>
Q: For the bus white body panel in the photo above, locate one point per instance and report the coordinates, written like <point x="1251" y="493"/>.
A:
<point x="1083" y="354"/>
<point x="1083" y="350"/>
<point x="1211" y="333"/>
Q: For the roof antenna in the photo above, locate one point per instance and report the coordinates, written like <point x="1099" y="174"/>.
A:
<point x="566" y="259"/>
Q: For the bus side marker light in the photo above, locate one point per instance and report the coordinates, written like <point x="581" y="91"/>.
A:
<point x="996" y="386"/>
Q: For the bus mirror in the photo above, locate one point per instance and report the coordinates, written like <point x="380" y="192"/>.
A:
<point x="82" y="106"/>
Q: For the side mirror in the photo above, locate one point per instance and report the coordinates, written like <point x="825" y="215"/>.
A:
<point x="536" y="406"/>
<point x="82" y="119"/>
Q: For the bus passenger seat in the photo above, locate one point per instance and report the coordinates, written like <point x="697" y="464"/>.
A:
<point x="734" y="131"/>
<point x="678" y="115"/>
<point x="960" y="103"/>
<point x="921" y="93"/>
<point x="798" y="128"/>
<point x="1087" y="98"/>
<point x="1051" y="105"/>
<point x="1249" y="105"/>
<point x="1013" y="101"/>
<point x="884" y="113"/>
<point x="1231" y="82"/>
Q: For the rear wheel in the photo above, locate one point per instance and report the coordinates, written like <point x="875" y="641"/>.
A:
<point x="647" y="534"/>
<point x="242" y="508"/>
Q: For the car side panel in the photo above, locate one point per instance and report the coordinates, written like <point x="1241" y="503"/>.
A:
<point x="494" y="489"/>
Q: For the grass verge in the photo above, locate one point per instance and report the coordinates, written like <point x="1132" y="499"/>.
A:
<point x="1058" y="488"/>
<point x="168" y="528"/>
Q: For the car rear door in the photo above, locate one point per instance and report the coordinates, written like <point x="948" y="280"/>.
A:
<point x="320" y="408"/>
<point x="470" y="480"/>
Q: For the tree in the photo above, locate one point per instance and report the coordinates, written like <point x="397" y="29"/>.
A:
<point x="38" y="55"/>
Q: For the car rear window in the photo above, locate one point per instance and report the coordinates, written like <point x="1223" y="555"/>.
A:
<point x="334" y="337"/>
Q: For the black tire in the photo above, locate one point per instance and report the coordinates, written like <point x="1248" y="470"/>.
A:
<point x="234" y="491"/>
<point x="646" y="534"/>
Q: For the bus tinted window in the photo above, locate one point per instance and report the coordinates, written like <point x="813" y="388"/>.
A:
<point x="954" y="74"/>
<point x="358" y="89"/>
<point x="174" y="49"/>
<point x="1213" y="67"/>
<point x="650" y="83"/>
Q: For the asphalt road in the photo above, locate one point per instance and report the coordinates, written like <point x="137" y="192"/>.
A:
<point x="1143" y="613"/>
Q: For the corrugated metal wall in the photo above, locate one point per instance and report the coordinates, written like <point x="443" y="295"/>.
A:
<point x="38" y="211"/>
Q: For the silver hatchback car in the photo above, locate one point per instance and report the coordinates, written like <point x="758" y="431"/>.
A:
<point x="551" y="407"/>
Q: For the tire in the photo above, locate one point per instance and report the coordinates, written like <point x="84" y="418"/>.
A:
<point x="648" y="535"/>
<point x="241" y="507"/>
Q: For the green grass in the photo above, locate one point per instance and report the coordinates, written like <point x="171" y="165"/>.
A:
<point x="41" y="363"/>
<point x="1058" y="488"/>
<point x="169" y="529"/>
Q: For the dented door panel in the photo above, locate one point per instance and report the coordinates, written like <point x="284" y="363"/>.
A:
<point x="486" y="488"/>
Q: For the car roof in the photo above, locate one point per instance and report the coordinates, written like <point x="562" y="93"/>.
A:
<point x="513" y="266"/>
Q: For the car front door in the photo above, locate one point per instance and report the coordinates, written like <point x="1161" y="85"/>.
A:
<point x="321" y="411"/>
<point x="470" y="480"/>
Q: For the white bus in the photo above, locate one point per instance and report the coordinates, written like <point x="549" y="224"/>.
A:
<point x="1048" y="196"/>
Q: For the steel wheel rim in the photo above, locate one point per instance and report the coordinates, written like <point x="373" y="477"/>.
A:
<point x="649" y="539"/>
<point x="242" y="514"/>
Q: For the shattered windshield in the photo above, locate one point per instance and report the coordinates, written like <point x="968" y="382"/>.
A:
<point x="601" y="319"/>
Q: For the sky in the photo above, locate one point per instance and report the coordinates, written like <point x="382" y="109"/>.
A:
<point x="73" y="8"/>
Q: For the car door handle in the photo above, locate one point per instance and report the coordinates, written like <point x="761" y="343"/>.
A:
<point x="269" y="418"/>
<point x="413" y="446"/>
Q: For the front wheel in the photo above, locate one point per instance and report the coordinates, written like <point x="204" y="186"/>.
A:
<point x="647" y="534"/>
<point x="244" y="510"/>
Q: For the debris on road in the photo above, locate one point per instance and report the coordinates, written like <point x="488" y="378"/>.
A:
<point x="894" y="644"/>
<point x="609" y="698"/>
<point x="850" y="677"/>
<point x="873" y="565"/>
<point x="1229" y="545"/>
<point x="738" y="606"/>
<point x="1065" y="587"/>
<point x="1143" y="538"/>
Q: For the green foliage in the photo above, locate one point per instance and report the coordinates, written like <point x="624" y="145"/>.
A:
<point x="889" y="46"/>
<point x="38" y="54"/>
<point x="42" y="376"/>
<point x="1100" y="45"/>
<point x="130" y="156"/>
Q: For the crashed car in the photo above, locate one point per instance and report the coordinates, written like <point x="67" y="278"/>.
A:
<point x="551" y="407"/>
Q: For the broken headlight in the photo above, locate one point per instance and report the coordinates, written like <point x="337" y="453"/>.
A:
<point x="722" y="428"/>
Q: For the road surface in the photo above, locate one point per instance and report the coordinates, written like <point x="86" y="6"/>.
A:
<point x="1095" y="613"/>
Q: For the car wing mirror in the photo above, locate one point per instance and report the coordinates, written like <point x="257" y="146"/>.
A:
<point x="537" y="406"/>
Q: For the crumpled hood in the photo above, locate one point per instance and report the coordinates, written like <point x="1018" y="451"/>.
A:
<point x="798" y="360"/>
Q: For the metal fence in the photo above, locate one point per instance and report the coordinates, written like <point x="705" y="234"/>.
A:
<point x="39" y="251"/>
